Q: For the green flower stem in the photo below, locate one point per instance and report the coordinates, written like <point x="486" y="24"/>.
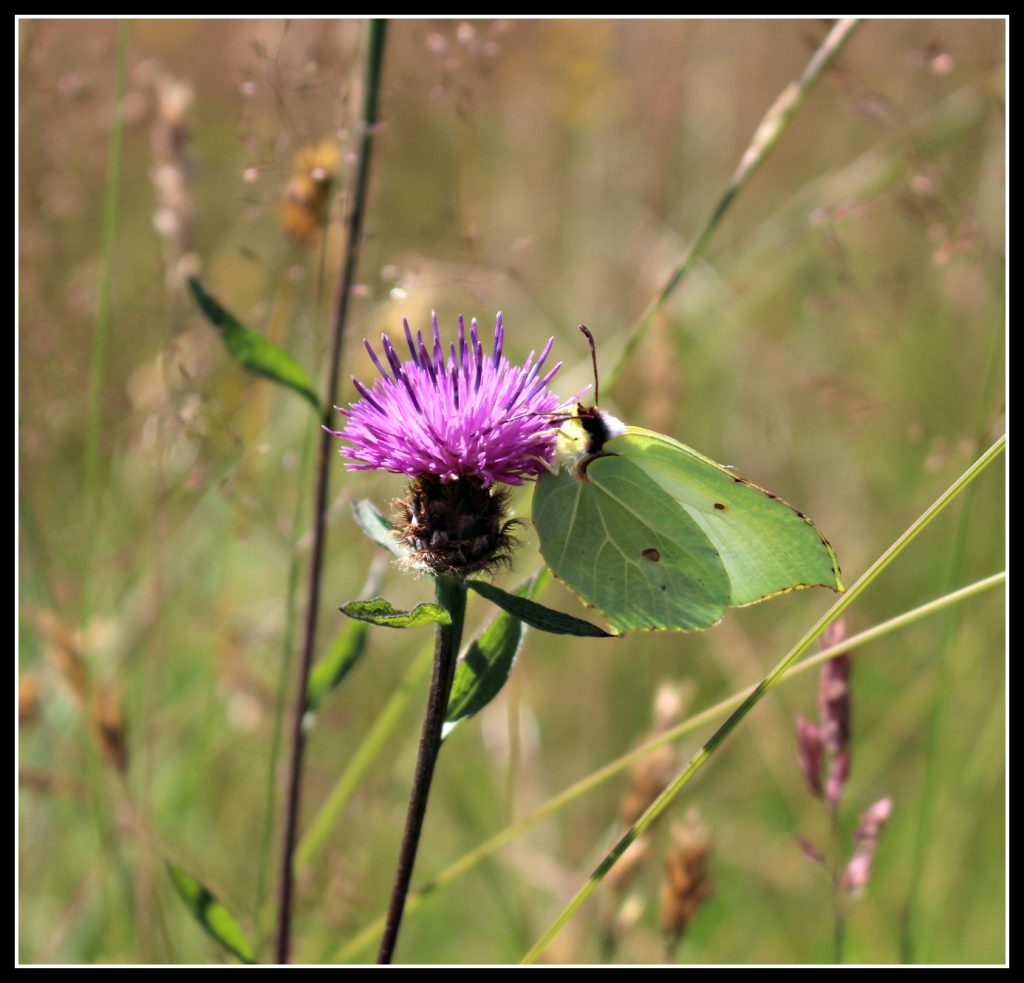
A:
<point x="374" y="64"/>
<point x="771" y="128"/>
<point x="451" y="594"/>
<point x="711" y="745"/>
<point x="491" y="846"/>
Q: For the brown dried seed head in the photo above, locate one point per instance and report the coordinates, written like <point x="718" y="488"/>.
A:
<point x="110" y="730"/>
<point x="686" y="885"/>
<point x="28" y="697"/>
<point x="62" y="648"/>
<point x="649" y="777"/>
<point x="306" y="197"/>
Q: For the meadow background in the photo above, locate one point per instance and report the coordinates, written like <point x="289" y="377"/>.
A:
<point x="841" y="342"/>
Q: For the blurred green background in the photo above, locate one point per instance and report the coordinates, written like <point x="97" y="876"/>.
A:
<point x="840" y="343"/>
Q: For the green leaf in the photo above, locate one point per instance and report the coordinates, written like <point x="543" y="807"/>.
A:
<point x="218" y="922"/>
<point x="251" y="350"/>
<point x="378" y="528"/>
<point x="487" y="663"/>
<point x="378" y="611"/>
<point x="345" y="652"/>
<point x="536" y="615"/>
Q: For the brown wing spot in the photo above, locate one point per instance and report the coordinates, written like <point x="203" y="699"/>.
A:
<point x="651" y="554"/>
<point x="719" y="506"/>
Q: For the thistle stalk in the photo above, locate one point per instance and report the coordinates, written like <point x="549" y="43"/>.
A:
<point x="451" y="594"/>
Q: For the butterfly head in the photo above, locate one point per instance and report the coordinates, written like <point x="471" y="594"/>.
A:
<point x="584" y="434"/>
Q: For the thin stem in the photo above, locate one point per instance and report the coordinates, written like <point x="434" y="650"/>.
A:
<point x="288" y="640"/>
<point x="110" y="840"/>
<point x="451" y="594"/>
<point x="491" y="846"/>
<point x="101" y="336"/>
<point x="701" y="758"/>
<point x="838" y="907"/>
<point x="840" y="932"/>
<point x="774" y="124"/>
<point x="375" y="58"/>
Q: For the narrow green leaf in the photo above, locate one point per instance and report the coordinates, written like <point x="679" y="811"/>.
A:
<point x="378" y="611"/>
<point x="536" y="615"/>
<point x="345" y="650"/>
<point x="218" y="922"/>
<point x="251" y="350"/>
<point x="341" y="658"/>
<point x="487" y="663"/>
<point x="379" y="528"/>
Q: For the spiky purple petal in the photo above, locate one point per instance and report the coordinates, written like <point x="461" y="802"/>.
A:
<point x="464" y="416"/>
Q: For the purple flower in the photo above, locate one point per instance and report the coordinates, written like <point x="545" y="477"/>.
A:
<point x="460" y="415"/>
<point x="834" y="706"/>
<point x="869" y="829"/>
<point x="810" y="753"/>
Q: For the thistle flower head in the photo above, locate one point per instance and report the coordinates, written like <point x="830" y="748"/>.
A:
<point x="447" y="416"/>
<point x="460" y="424"/>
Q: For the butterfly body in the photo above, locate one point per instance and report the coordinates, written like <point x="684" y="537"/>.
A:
<point x="584" y="435"/>
<point x="660" y="537"/>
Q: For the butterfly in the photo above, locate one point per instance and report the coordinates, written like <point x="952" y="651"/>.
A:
<point x="657" y="536"/>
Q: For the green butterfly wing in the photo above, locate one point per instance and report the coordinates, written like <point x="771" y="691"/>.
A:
<point x="625" y="546"/>
<point x="766" y="546"/>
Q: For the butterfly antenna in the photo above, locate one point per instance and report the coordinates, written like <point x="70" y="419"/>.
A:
<point x="593" y="358"/>
<point x="553" y="417"/>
